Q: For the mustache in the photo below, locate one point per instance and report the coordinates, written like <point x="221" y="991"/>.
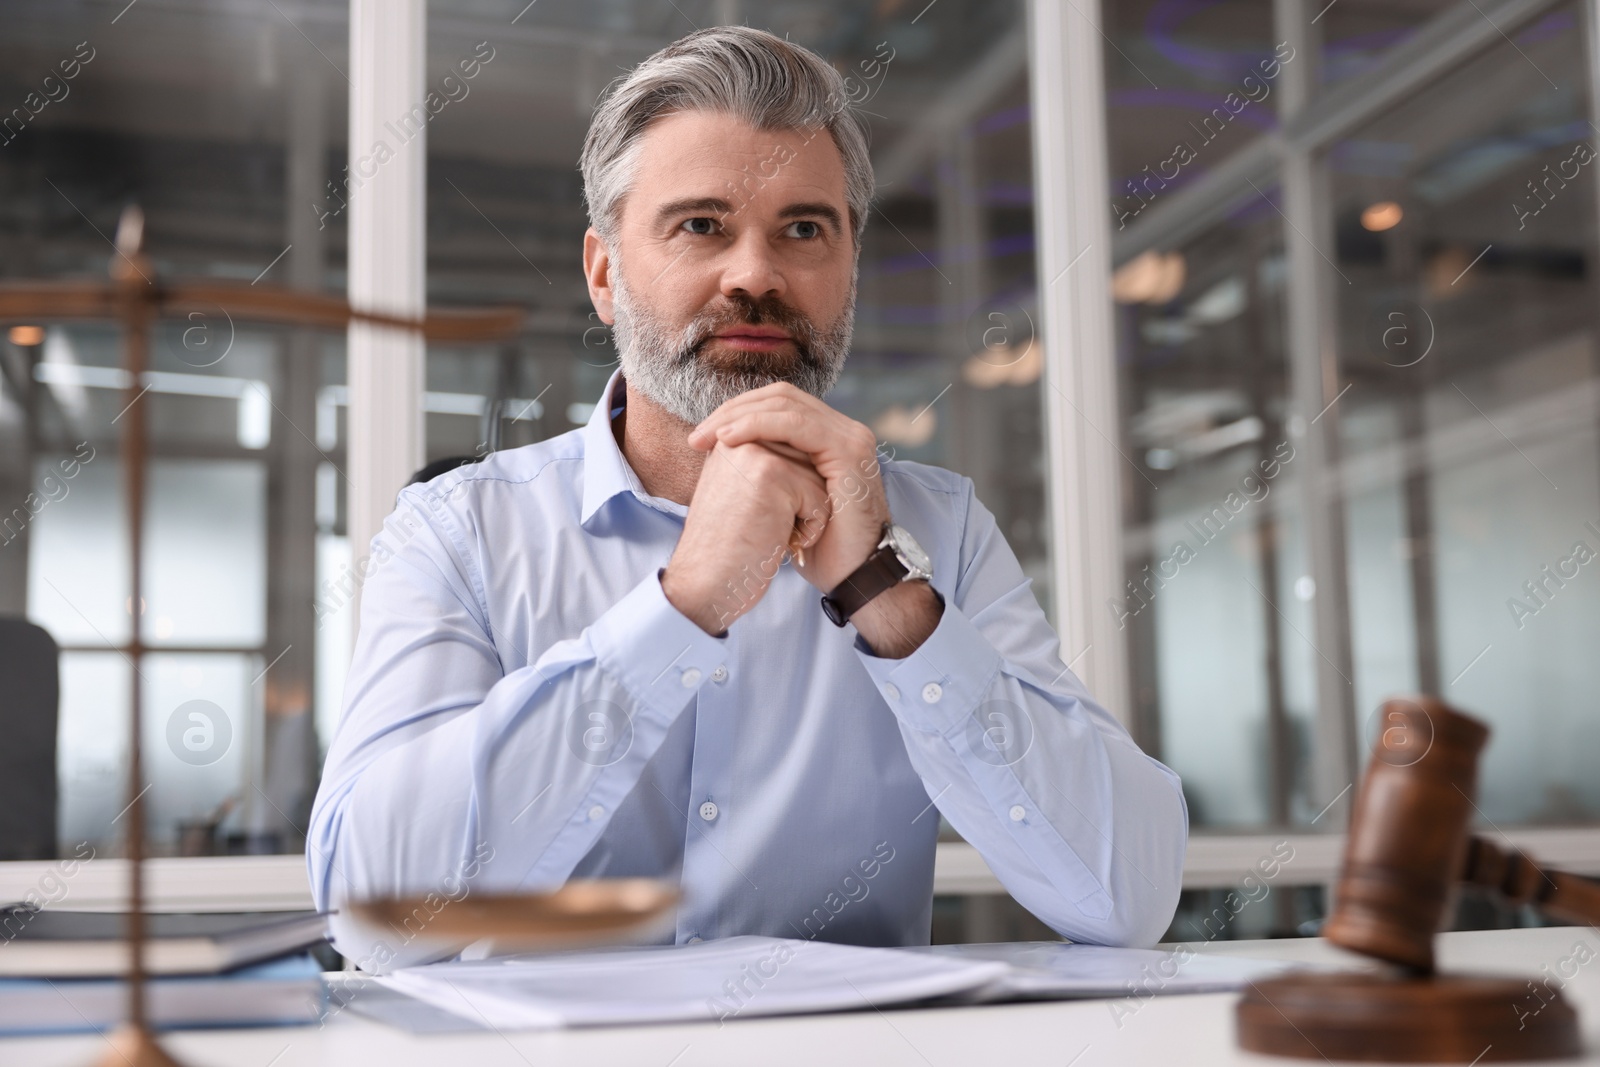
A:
<point x="768" y="311"/>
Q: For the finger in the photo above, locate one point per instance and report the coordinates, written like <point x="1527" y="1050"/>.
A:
<point x="809" y="502"/>
<point x="787" y="451"/>
<point x="808" y="490"/>
<point x="811" y="517"/>
<point x="768" y="396"/>
<point x="839" y="440"/>
<point x="735" y="403"/>
<point x="805" y="491"/>
<point x="748" y="463"/>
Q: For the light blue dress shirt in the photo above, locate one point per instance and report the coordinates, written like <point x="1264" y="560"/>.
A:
<point x="525" y="706"/>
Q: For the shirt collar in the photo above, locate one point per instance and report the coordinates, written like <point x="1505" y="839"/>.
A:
<point x="606" y="472"/>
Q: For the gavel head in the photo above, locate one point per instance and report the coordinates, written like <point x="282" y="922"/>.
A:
<point x="1408" y="832"/>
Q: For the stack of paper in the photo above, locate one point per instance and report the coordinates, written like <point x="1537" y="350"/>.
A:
<point x="714" y="980"/>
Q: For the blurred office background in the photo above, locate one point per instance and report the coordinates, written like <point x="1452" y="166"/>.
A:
<point x="1347" y="244"/>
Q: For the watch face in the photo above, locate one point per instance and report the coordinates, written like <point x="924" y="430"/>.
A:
<point x="905" y="546"/>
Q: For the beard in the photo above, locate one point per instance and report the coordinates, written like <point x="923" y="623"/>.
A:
<point x="690" y="373"/>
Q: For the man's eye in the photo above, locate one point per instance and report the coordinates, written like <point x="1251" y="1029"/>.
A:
<point x="700" y="225"/>
<point x="812" y="229"/>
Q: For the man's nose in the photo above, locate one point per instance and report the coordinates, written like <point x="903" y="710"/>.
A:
<point x="752" y="268"/>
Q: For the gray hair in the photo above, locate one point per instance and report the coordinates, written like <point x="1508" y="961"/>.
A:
<point x="753" y="75"/>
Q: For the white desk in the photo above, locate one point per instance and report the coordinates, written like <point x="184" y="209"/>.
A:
<point x="1187" y="1031"/>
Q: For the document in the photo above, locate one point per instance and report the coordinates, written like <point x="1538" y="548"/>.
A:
<point x="1061" y="970"/>
<point x="745" y="977"/>
<point x="736" y="977"/>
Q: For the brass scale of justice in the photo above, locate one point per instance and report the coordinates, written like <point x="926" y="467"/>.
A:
<point x="583" y="912"/>
<point x="1407" y="847"/>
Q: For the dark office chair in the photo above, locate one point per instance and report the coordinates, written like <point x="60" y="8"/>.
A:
<point x="30" y="697"/>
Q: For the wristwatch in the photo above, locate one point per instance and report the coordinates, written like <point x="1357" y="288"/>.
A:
<point x="897" y="559"/>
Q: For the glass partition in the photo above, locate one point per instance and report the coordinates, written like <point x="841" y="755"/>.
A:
<point x="1455" y="228"/>
<point x="1213" y="543"/>
<point x="1187" y="86"/>
<point x="222" y="123"/>
<point x="1472" y="461"/>
<point x="1356" y="35"/>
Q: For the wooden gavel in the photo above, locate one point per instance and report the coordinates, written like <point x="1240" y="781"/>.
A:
<point x="1407" y="851"/>
<point x="1408" y="845"/>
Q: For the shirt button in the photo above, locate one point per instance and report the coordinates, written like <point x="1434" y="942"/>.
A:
<point x="708" y="811"/>
<point x="695" y="940"/>
<point x="932" y="692"/>
<point x="719" y="675"/>
<point x="596" y="812"/>
<point x="691" y="677"/>
<point x="891" y="692"/>
<point x="1017" y="813"/>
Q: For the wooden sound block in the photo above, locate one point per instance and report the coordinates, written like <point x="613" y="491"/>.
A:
<point x="1447" y="1018"/>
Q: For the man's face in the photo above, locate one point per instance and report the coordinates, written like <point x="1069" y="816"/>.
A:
<point x="740" y="266"/>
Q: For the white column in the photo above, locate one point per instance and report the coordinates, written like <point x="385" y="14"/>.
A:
<point x="1077" y="331"/>
<point x="387" y="263"/>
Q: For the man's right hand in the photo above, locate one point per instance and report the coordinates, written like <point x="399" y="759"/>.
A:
<point x="749" y="507"/>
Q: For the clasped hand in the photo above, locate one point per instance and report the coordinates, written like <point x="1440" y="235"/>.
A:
<point x="784" y="472"/>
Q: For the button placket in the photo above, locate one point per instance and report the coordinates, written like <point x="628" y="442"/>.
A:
<point x="716" y="718"/>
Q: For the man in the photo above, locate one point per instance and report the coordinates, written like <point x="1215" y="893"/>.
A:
<point x="711" y="636"/>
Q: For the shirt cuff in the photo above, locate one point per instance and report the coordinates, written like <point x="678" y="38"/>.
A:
<point x="936" y="688"/>
<point x="658" y="655"/>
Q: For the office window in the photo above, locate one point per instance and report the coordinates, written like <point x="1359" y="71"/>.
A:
<point x="1213" y="545"/>
<point x="1454" y="226"/>
<point x="223" y="125"/>
<point x="1170" y="70"/>
<point x="1472" y="462"/>
<point x="1356" y="36"/>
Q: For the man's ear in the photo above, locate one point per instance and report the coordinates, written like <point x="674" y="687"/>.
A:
<point x="597" y="273"/>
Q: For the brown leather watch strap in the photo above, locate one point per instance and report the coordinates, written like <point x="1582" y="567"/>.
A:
<point x="881" y="572"/>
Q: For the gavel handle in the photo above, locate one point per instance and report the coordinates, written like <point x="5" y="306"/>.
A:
<point x="1521" y="881"/>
